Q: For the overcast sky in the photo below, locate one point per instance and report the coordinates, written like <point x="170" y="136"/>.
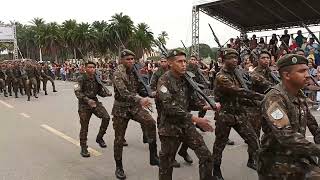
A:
<point x="172" y="16"/>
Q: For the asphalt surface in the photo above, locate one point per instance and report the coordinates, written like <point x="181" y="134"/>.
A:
<point x="39" y="141"/>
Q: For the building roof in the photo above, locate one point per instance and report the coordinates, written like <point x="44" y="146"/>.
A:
<point x="262" y="15"/>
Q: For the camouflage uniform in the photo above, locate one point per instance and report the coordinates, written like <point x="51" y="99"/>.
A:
<point x="175" y="97"/>
<point x="232" y="96"/>
<point x="261" y="81"/>
<point x="38" y="76"/>
<point x="127" y="106"/>
<point x="45" y="74"/>
<point x="199" y="78"/>
<point x="3" y="80"/>
<point x="17" y="80"/>
<point x="88" y="88"/>
<point x="285" y="153"/>
<point x="9" y="80"/>
<point x="31" y="82"/>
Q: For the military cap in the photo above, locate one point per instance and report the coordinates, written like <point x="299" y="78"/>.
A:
<point x="163" y="57"/>
<point x="263" y="51"/>
<point x="291" y="59"/>
<point x="175" y="52"/>
<point x="126" y="52"/>
<point x="228" y="51"/>
<point x="90" y="62"/>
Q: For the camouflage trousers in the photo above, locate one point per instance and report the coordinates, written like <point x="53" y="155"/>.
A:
<point x="85" y="114"/>
<point x="287" y="171"/>
<point x="254" y="117"/>
<point x="31" y="83"/>
<point x="44" y="82"/>
<point x="10" y="85"/>
<point x="224" y="123"/>
<point x="121" y="117"/>
<point x="169" y="146"/>
<point x="18" y="83"/>
<point x="3" y="84"/>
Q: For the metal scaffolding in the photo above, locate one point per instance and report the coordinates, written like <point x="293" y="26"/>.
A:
<point x="195" y="30"/>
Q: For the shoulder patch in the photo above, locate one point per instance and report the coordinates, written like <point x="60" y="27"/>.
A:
<point x="76" y="87"/>
<point x="277" y="116"/>
<point x="163" y="89"/>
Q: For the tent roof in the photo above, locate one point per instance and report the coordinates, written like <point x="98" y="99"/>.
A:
<point x="262" y="15"/>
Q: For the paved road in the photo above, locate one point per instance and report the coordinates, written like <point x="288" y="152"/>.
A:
<point x="39" y="141"/>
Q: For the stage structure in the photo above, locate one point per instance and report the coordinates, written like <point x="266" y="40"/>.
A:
<point x="252" y="16"/>
<point x="8" y="35"/>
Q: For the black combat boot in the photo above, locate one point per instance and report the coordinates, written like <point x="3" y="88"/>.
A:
<point x="5" y="93"/>
<point x="55" y="90"/>
<point x="35" y="95"/>
<point x="84" y="151"/>
<point x="100" y="141"/>
<point x="28" y="98"/>
<point x="16" y="94"/>
<point x="124" y="143"/>
<point x="119" y="170"/>
<point x="229" y="142"/>
<point x="45" y="93"/>
<point x="175" y="164"/>
<point x="144" y="139"/>
<point x="186" y="156"/>
<point x="252" y="163"/>
<point x="154" y="159"/>
<point x="217" y="172"/>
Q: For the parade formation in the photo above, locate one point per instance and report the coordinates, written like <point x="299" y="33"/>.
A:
<point x="265" y="92"/>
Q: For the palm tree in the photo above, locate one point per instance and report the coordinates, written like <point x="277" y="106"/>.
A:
<point x="68" y="34"/>
<point x="142" y="40"/>
<point x="38" y="27"/>
<point x="163" y="37"/>
<point x="52" y="39"/>
<point x="102" y="43"/>
<point x="84" y="39"/>
<point x="123" y="25"/>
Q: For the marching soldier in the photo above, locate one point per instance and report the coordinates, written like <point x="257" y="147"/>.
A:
<point x="31" y="82"/>
<point x="129" y="105"/>
<point x="176" y="123"/>
<point x="3" y="80"/>
<point x="17" y="81"/>
<point x="46" y="75"/>
<point x="86" y="91"/>
<point x="10" y="77"/>
<point x="164" y="67"/>
<point x="285" y="153"/>
<point x="232" y="92"/>
<point x="262" y="79"/>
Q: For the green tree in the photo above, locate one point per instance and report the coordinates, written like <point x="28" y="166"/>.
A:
<point x="142" y="40"/>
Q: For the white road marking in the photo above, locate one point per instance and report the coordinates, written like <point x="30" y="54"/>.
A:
<point x="6" y="104"/>
<point x="73" y="141"/>
<point x="25" y="115"/>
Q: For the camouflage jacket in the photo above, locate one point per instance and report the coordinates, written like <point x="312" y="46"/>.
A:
<point x="9" y="73"/>
<point x="230" y="93"/>
<point x="283" y="144"/>
<point x="16" y="72"/>
<point x="155" y="77"/>
<point x="175" y="96"/>
<point x="199" y="77"/>
<point x="262" y="80"/>
<point x="126" y="87"/>
<point x="88" y="88"/>
<point x="31" y="72"/>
